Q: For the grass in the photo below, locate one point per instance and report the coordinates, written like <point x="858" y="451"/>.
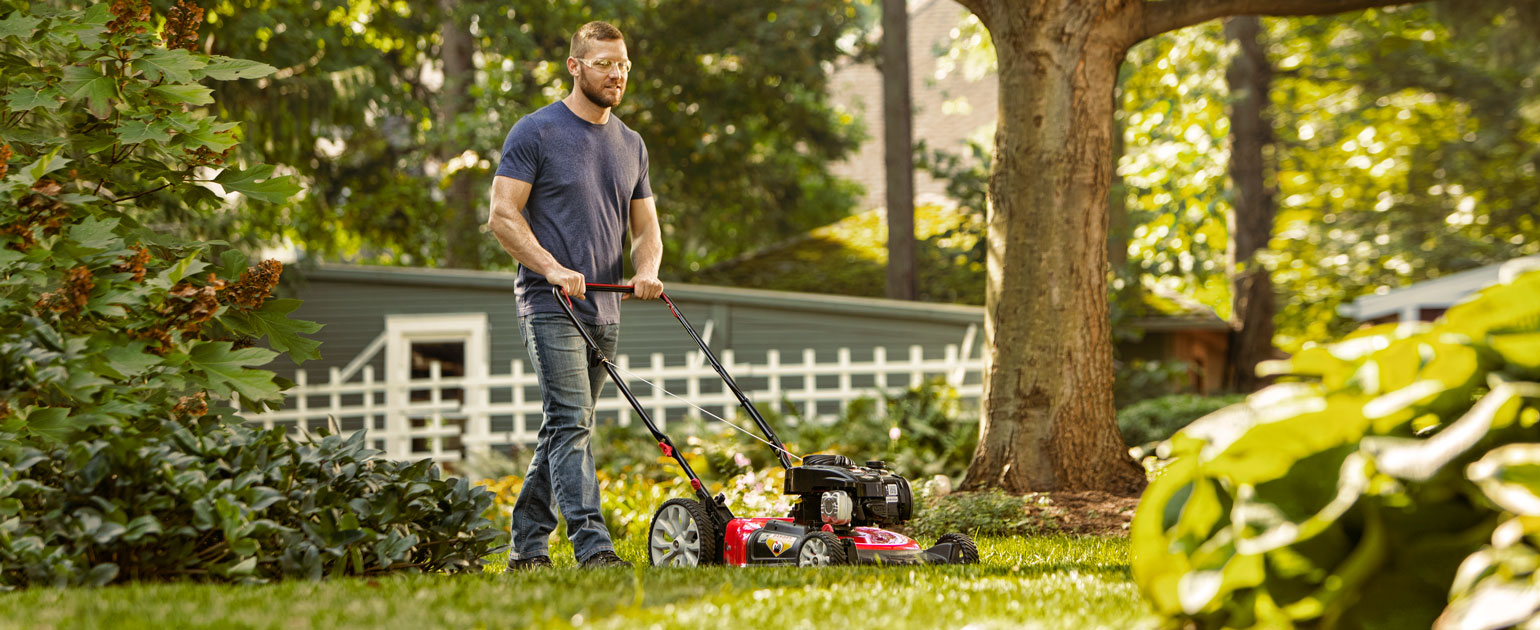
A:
<point x="1050" y="582"/>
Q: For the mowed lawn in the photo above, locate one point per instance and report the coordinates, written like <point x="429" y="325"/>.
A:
<point x="1051" y="582"/>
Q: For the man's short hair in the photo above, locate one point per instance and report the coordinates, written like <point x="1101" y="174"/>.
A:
<point x="593" y="32"/>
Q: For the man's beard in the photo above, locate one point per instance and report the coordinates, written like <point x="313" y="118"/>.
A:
<point x="595" y="94"/>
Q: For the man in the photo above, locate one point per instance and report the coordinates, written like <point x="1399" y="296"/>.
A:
<point x="571" y="180"/>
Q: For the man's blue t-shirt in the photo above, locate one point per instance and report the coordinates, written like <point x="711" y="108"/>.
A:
<point x="582" y="179"/>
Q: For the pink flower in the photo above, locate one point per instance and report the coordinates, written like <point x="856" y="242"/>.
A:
<point x="741" y="460"/>
<point x="893" y="433"/>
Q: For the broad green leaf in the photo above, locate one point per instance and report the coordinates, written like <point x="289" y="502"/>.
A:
<point x="51" y="423"/>
<point x="1510" y="476"/>
<point x="130" y="359"/>
<point x="173" y="65"/>
<point x="137" y="131"/>
<point x="226" y="368"/>
<point x="283" y="334"/>
<point x="94" y="233"/>
<point x="210" y="135"/>
<point x="183" y="268"/>
<point x="23" y="99"/>
<point x="86" y="84"/>
<point x="18" y="25"/>
<point x="185" y="93"/>
<point x="49" y="163"/>
<point x="270" y="189"/>
<point x="9" y="257"/>
<point x="227" y="69"/>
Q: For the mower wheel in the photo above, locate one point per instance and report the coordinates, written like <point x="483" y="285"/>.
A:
<point x="969" y="551"/>
<point x="820" y="549"/>
<point x="683" y="534"/>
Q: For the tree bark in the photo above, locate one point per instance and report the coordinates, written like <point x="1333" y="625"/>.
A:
<point x="898" y="149"/>
<point x="1251" y="224"/>
<point x="462" y="212"/>
<point x="1047" y="415"/>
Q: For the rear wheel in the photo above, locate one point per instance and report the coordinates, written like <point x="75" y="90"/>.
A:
<point x="682" y="534"/>
<point x="968" y="553"/>
<point x="820" y="549"/>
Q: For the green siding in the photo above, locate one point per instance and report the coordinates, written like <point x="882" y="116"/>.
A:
<point x="354" y="311"/>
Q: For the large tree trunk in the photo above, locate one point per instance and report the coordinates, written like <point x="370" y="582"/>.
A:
<point x="898" y="149"/>
<point x="1048" y="421"/>
<point x="463" y="233"/>
<point x="1251" y="224"/>
<point x="1047" y="411"/>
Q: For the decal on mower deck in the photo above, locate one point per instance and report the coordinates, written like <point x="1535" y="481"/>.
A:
<point x="779" y="543"/>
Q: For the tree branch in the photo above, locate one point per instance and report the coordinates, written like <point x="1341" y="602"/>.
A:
<point x="1170" y="15"/>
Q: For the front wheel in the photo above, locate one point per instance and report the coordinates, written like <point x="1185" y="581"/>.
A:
<point x="819" y="549"/>
<point x="682" y="534"/>
<point x="967" y="552"/>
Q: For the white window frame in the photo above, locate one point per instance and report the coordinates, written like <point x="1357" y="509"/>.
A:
<point x="400" y="332"/>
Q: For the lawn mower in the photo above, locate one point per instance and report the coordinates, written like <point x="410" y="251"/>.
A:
<point x="837" y="517"/>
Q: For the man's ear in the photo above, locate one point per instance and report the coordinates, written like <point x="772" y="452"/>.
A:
<point x="572" y="67"/>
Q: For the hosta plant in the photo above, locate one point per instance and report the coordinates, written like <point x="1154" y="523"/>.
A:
<point x="1393" y="482"/>
<point x="124" y="348"/>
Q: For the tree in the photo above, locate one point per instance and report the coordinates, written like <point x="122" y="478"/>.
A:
<point x="898" y="149"/>
<point x="367" y="107"/>
<point x="1047" y="411"/>
<point x="1251" y="222"/>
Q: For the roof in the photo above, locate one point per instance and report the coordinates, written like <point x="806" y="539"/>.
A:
<point x="504" y="280"/>
<point x="1181" y="319"/>
<point x="1441" y="292"/>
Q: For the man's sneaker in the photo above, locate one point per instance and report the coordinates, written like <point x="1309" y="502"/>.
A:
<point x="526" y="564"/>
<point x="604" y="560"/>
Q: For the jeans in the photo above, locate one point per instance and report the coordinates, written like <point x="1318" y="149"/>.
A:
<point x="563" y="467"/>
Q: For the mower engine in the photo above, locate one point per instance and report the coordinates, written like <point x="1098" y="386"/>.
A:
<point x="834" y="491"/>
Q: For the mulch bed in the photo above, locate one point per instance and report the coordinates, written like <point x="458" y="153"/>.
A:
<point x="1082" y="513"/>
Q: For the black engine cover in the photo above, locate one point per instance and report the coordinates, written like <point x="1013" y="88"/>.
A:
<point x="880" y="497"/>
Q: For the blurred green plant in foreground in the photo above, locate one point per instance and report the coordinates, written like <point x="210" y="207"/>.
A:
<point x="1394" y="484"/>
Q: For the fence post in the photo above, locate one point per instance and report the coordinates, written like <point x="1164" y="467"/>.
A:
<point x="659" y="408"/>
<point x="880" y="367"/>
<point x="810" y="383"/>
<point x="334" y="375"/>
<point x="845" y="391"/>
<point x="773" y="365"/>
<point x="369" y="399"/>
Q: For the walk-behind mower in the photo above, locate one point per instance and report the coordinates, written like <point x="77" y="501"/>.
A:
<point x="837" y="516"/>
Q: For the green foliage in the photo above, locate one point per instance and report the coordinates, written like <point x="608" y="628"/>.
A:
<point x="1138" y="379"/>
<point x="115" y="339"/>
<point x="731" y="98"/>
<point x="1351" y="498"/>
<point x="850" y="257"/>
<point x="979" y="514"/>
<point x="209" y="499"/>
<point x="1157" y="419"/>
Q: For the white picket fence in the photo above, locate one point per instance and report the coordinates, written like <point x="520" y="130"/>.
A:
<point x="455" y="416"/>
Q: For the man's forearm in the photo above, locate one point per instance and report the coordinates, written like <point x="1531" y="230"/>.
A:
<point x="647" y="254"/>
<point x="513" y="233"/>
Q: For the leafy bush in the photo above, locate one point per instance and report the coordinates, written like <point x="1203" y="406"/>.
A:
<point x="117" y="460"/>
<point x="1362" y="496"/>
<point x="1158" y="418"/>
<point x="1138" y="380"/>
<point x="210" y="499"/>
<point x="989" y="513"/>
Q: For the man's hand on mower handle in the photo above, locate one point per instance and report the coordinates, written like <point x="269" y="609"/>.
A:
<point x="646" y="287"/>
<point x="569" y="280"/>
